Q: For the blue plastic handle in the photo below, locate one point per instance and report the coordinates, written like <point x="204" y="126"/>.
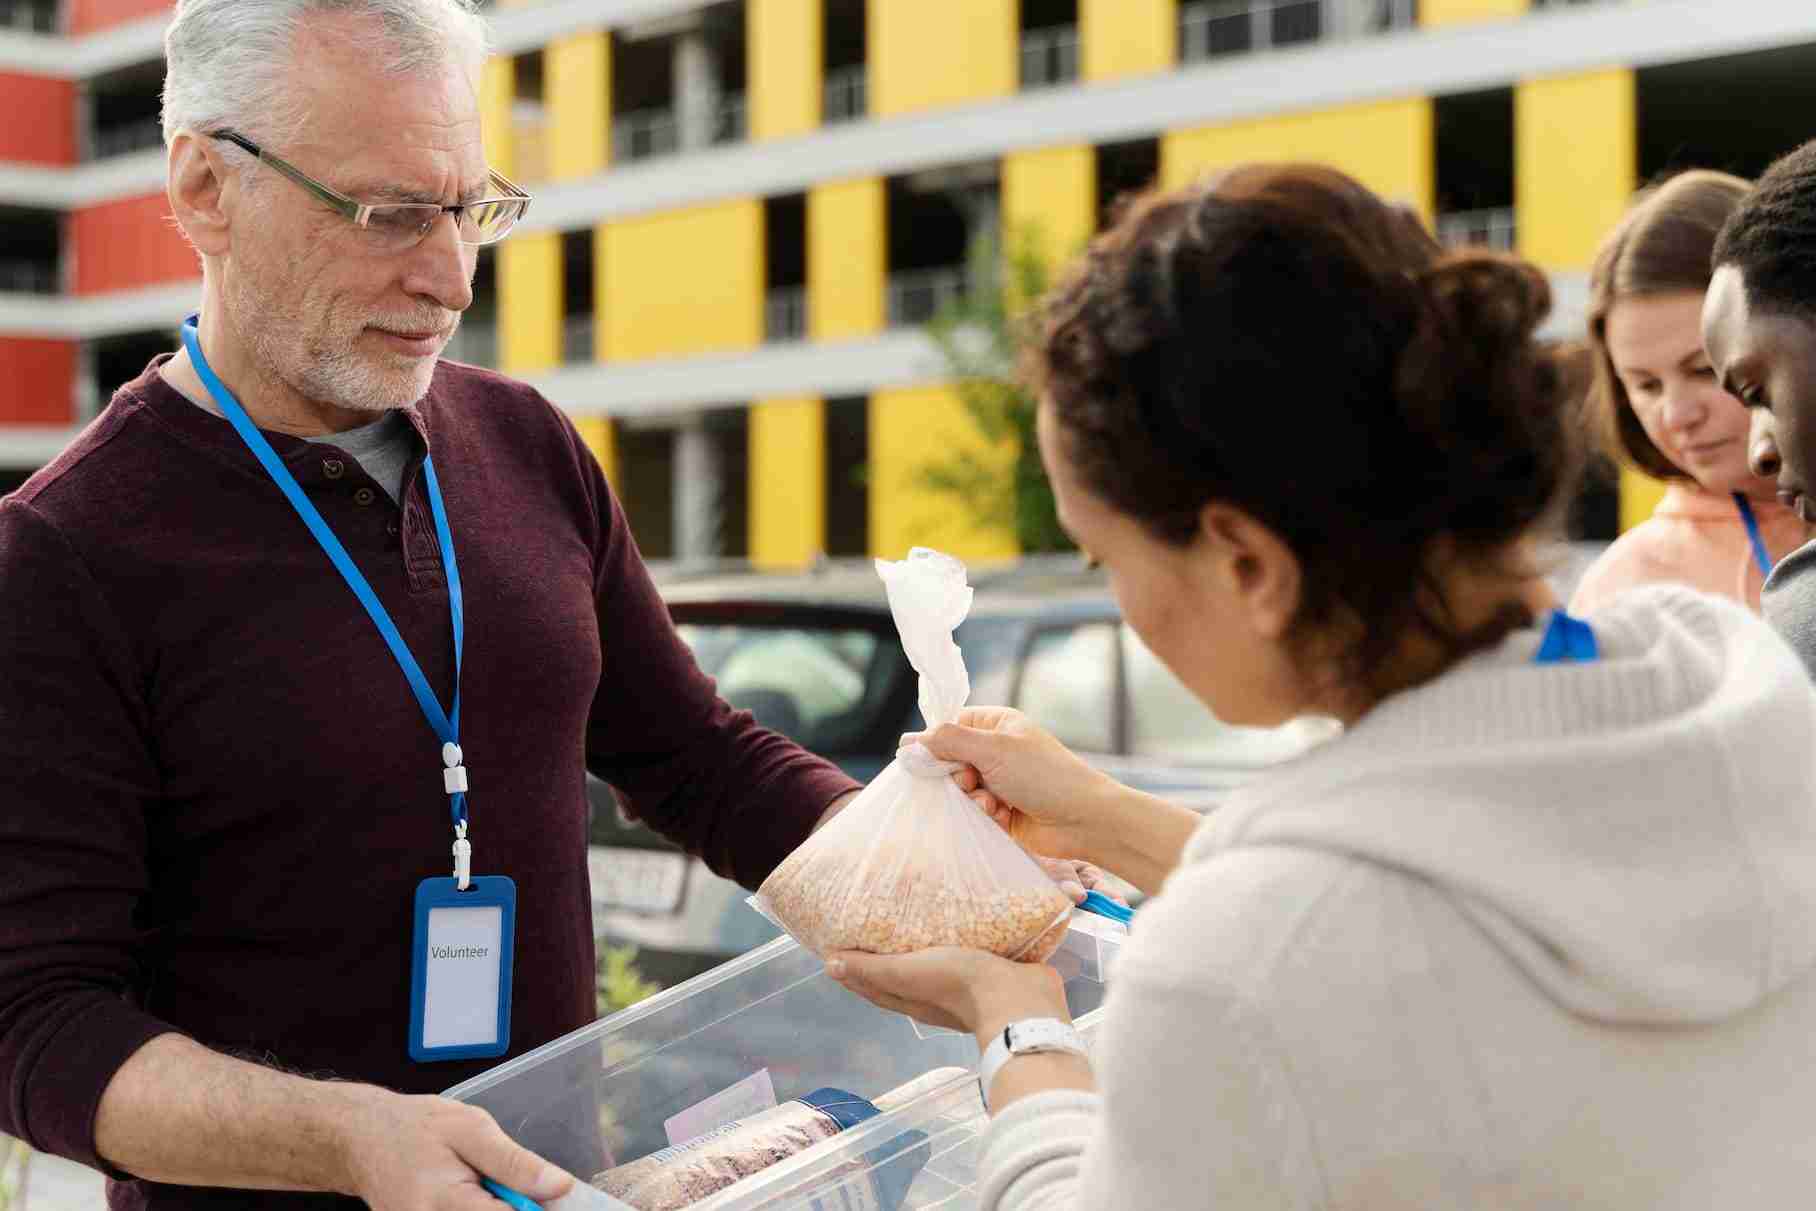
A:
<point x="1103" y="906"/>
<point x="510" y="1197"/>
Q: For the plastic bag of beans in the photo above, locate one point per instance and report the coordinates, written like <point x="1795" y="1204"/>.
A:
<point x="911" y="862"/>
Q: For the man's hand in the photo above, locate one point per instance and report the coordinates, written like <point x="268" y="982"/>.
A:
<point x="428" y="1154"/>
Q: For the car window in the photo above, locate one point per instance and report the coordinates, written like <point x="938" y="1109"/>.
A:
<point x="818" y="686"/>
<point x="1168" y="722"/>
<point x="1068" y="685"/>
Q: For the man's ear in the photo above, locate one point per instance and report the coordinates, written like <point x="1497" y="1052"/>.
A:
<point x="1256" y="567"/>
<point x="200" y="190"/>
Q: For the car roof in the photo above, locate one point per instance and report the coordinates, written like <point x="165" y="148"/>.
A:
<point x="1042" y="585"/>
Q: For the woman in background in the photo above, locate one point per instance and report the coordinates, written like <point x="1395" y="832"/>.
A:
<point x="1719" y="528"/>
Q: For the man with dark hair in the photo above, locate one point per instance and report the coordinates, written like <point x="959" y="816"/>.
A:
<point x="1759" y="326"/>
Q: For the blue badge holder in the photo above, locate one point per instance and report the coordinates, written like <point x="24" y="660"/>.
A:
<point x="487" y="891"/>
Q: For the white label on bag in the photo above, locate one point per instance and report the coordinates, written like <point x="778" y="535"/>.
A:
<point x="752" y="1095"/>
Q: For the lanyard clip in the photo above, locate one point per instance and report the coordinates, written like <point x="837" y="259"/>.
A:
<point x="463" y="857"/>
<point x="454" y="778"/>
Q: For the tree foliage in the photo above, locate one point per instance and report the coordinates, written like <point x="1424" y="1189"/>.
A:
<point x="980" y="338"/>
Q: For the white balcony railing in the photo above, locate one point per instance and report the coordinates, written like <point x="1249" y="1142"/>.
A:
<point x="643" y="134"/>
<point x="1493" y="228"/>
<point x="1209" y="29"/>
<point x="1049" y="57"/>
<point x="577" y="339"/>
<point x="126" y="137"/>
<point x="847" y="94"/>
<point x="475" y="342"/>
<point x="785" y="315"/>
<point x="918" y="297"/>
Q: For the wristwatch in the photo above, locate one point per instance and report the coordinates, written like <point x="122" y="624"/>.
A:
<point x="1030" y="1036"/>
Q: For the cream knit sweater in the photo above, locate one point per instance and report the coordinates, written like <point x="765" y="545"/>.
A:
<point x="1529" y="936"/>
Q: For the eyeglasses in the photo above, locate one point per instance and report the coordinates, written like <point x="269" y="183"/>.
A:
<point x="400" y="226"/>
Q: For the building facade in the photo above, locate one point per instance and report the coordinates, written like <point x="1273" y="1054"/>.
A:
<point x="746" y="211"/>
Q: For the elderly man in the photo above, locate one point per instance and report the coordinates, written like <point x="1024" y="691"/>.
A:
<point x="261" y="620"/>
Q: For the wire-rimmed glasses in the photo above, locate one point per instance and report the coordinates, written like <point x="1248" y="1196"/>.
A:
<point x="399" y="226"/>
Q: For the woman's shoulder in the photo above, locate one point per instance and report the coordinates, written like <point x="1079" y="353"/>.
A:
<point x="1660" y="550"/>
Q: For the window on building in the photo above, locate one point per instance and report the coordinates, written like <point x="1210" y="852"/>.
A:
<point x="646" y="486"/>
<point x="124" y="110"/>
<point x="117" y="360"/>
<point x="678" y="82"/>
<point x="1124" y="169"/>
<point x="845" y="61"/>
<point x="1049" y="43"/>
<point x="577" y="319"/>
<point x="847" y="484"/>
<point x="476" y="340"/>
<point x="1211" y="29"/>
<point x="785" y="268"/>
<point x="1068" y="685"/>
<point x="31" y="256"/>
<point x="934" y="218"/>
<point x="29" y="16"/>
<point x="1474" y="137"/>
<point x="1686" y="111"/>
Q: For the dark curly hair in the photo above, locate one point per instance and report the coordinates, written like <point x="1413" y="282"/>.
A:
<point x="1771" y="237"/>
<point x="1281" y="340"/>
<point x="1661" y="246"/>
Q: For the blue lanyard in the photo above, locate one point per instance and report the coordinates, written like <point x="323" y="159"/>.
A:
<point x="446" y="726"/>
<point x="1761" y="556"/>
<point x="1567" y="640"/>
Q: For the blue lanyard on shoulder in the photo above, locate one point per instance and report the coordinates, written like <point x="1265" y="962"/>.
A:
<point x="1761" y="556"/>
<point x="1568" y="640"/>
<point x="446" y="726"/>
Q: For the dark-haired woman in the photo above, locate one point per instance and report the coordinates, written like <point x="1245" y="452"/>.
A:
<point x="1538" y="929"/>
<point x="1720" y="528"/>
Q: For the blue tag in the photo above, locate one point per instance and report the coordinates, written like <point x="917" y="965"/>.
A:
<point x="460" y="969"/>
<point x="1568" y="640"/>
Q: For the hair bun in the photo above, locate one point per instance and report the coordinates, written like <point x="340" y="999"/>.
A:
<point x="1474" y="344"/>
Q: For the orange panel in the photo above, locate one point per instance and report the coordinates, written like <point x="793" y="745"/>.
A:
<point x="87" y="16"/>
<point x="40" y="378"/>
<point x="122" y="245"/>
<point x="50" y="136"/>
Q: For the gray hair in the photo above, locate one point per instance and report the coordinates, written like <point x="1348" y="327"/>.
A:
<point x="228" y="61"/>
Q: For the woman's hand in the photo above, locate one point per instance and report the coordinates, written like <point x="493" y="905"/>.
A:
<point x="969" y="990"/>
<point x="1076" y="878"/>
<point x="1041" y="793"/>
<point x="1054" y="803"/>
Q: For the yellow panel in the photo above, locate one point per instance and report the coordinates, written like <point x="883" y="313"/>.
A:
<point x="1575" y="164"/>
<point x="1050" y="199"/>
<point x="847" y="259"/>
<point x="689" y="281"/>
<point x="785" y="39"/>
<point x="597" y="432"/>
<point x="911" y="430"/>
<point x="1640" y="494"/>
<point x="1128" y="37"/>
<point x="497" y="90"/>
<point x="529" y="302"/>
<point x="601" y="330"/>
<point x="1449" y="12"/>
<point x="787" y="482"/>
<point x="929" y="53"/>
<point x="1387" y="145"/>
<point x="579" y="91"/>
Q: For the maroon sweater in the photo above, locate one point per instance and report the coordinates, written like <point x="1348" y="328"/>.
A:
<point x="217" y="793"/>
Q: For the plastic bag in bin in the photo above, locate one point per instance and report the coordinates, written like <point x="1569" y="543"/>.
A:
<point x="911" y="862"/>
<point x="678" y="1177"/>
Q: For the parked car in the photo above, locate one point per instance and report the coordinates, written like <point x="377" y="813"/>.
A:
<point x="816" y="658"/>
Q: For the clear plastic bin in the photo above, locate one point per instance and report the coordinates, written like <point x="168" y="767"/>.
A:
<point x="606" y="1094"/>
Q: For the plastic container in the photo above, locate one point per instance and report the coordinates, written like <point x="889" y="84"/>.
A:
<point x="771" y="1026"/>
